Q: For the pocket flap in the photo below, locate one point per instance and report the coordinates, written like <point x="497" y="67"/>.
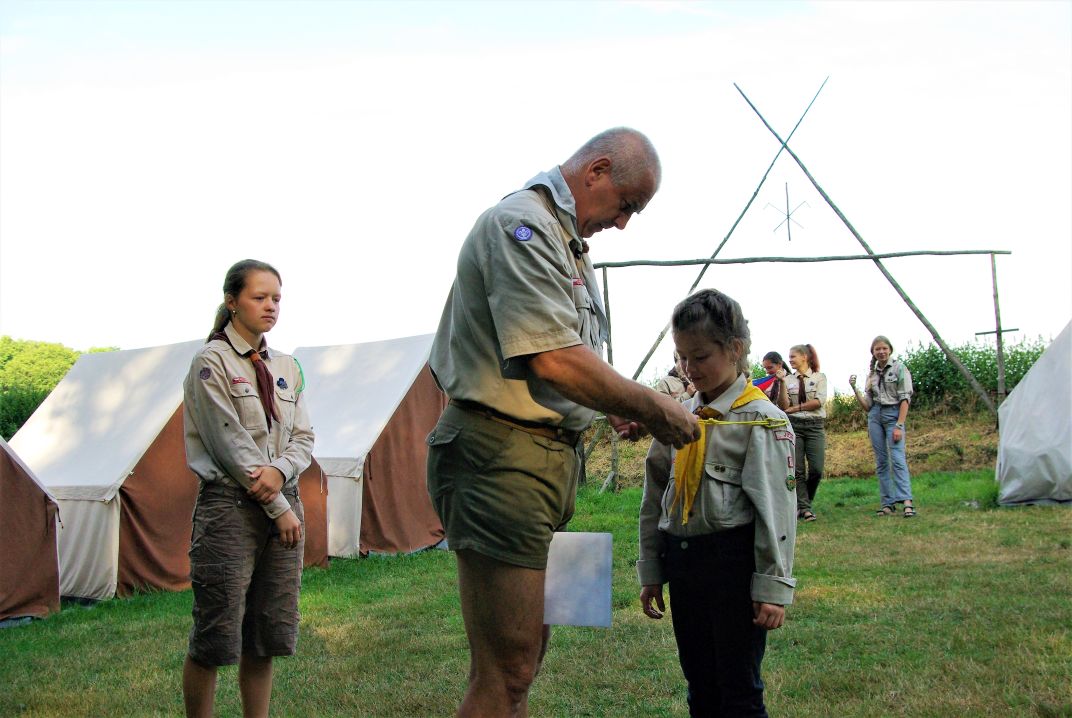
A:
<point x="722" y="472"/>
<point x="242" y="389"/>
<point x="285" y="395"/>
<point x="443" y="434"/>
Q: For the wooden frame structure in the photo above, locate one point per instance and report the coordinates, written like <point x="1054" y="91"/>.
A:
<point x="870" y="256"/>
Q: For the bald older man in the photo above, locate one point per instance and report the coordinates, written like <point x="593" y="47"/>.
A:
<point x="518" y="351"/>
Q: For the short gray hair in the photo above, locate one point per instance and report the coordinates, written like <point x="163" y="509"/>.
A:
<point x="632" y="156"/>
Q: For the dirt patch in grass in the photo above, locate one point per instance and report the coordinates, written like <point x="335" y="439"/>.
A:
<point x="936" y="442"/>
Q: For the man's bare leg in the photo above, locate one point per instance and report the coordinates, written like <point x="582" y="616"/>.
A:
<point x="502" y="606"/>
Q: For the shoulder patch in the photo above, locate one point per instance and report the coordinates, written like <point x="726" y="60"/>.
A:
<point x="791" y="482"/>
<point x="784" y="435"/>
<point x="522" y="233"/>
<point x="205" y="373"/>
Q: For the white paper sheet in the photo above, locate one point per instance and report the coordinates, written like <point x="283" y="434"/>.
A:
<point x="577" y="583"/>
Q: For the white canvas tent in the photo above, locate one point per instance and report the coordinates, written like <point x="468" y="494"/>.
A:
<point x="108" y="444"/>
<point x="1035" y="448"/>
<point x="85" y="440"/>
<point x="372" y="405"/>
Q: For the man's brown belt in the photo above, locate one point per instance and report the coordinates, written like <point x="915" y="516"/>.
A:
<point x="565" y="436"/>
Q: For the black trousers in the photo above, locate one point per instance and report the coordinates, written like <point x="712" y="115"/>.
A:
<point x="719" y="647"/>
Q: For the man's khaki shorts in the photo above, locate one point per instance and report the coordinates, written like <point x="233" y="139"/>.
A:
<point x="246" y="584"/>
<point x="500" y="491"/>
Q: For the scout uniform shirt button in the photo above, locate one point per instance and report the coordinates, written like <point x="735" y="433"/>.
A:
<point x="684" y="544"/>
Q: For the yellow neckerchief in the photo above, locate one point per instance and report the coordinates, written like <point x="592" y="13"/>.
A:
<point x="689" y="464"/>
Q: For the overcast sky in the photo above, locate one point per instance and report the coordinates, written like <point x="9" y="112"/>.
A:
<point x="146" y="146"/>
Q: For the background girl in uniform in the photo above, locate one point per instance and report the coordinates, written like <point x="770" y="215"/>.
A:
<point x="807" y="412"/>
<point x="675" y="384"/>
<point x="775" y="366"/>
<point x="886" y="397"/>
<point x="248" y="438"/>
<point x="717" y="520"/>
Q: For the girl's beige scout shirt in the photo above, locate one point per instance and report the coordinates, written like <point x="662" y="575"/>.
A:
<point x="890" y="385"/>
<point x="814" y="388"/>
<point x="748" y="476"/>
<point x="227" y="434"/>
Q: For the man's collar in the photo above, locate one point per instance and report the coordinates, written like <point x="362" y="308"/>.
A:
<point x="560" y="191"/>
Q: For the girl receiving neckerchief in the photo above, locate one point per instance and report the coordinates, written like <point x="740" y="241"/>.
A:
<point x="718" y="517"/>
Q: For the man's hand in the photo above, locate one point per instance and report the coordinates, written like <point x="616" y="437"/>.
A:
<point x="581" y="376"/>
<point x="625" y="428"/>
<point x="651" y="593"/>
<point x="267" y="481"/>
<point x="673" y="425"/>
<point x="290" y="530"/>
<point x="768" y="615"/>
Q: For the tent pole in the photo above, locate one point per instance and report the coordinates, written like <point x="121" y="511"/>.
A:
<point x="950" y="354"/>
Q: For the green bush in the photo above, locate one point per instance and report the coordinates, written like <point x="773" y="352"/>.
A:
<point x="844" y="414"/>
<point x="16" y="405"/>
<point x="29" y="370"/>
<point x="936" y="382"/>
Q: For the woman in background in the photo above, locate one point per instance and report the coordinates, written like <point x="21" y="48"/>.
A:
<point x="776" y="390"/>
<point x="676" y="384"/>
<point x="886" y="397"/>
<point x="807" y="414"/>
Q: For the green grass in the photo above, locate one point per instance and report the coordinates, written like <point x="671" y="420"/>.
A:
<point x="963" y="611"/>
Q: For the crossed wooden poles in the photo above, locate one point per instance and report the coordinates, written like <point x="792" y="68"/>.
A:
<point x="870" y="255"/>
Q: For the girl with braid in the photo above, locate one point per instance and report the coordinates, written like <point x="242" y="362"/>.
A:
<point x="717" y="521"/>
<point x="886" y="396"/>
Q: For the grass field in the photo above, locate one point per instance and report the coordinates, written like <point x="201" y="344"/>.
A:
<point x="963" y="611"/>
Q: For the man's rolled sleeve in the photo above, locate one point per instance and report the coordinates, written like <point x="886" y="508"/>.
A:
<point x="764" y="479"/>
<point x="528" y="293"/>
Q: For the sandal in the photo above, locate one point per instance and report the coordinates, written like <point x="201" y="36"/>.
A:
<point x="909" y="511"/>
<point x="808" y="516"/>
<point x="886" y="511"/>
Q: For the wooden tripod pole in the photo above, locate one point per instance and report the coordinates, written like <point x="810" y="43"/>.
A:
<point x="950" y="354"/>
<point x="662" y="334"/>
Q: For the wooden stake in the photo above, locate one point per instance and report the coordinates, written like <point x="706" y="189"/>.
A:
<point x="997" y="327"/>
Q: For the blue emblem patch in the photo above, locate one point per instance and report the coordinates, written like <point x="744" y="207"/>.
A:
<point x="205" y="373"/>
<point x="282" y="383"/>
<point x="522" y="233"/>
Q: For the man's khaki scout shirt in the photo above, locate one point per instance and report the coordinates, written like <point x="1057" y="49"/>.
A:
<point x="814" y="388"/>
<point x="520" y="291"/>
<point x="891" y="385"/>
<point x="747" y="473"/>
<point x="227" y="434"/>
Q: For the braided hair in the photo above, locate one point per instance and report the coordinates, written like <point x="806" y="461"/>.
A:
<point x="875" y="341"/>
<point x="720" y="318"/>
